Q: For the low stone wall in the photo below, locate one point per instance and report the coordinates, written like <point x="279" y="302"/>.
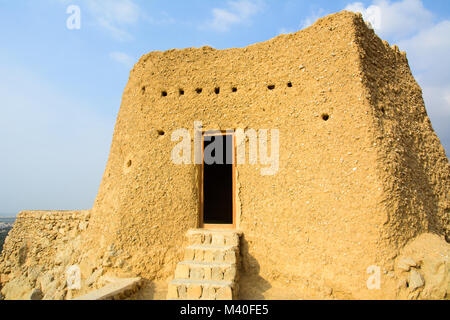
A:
<point x="38" y="251"/>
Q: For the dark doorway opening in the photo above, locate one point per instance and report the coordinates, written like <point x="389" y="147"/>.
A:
<point x="218" y="187"/>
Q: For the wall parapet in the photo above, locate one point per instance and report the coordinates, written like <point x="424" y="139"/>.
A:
<point x="82" y="215"/>
<point x="38" y="250"/>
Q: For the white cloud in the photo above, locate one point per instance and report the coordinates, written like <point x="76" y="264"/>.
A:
<point x="115" y="15"/>
<point x="371" y="14"/>
<point x="237" y="12"/>
<point x="122" y="58"/>
<point x="430" y="51"/>
<point x="395" y="19"/>
<point x="429" y="56"/>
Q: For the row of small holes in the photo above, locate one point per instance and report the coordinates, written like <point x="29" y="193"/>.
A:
<point x="325" y="116"/>
<point x="272" y="86"/>
<point x="216" y="90"/>
<point x="198" y="91"/>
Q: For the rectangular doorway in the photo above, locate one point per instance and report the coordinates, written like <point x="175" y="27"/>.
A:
<point x="217" y="180"/>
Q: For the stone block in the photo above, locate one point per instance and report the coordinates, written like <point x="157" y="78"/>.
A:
<point x="405" y="264"/>
<point x="218" y="240"/>
<point x="209" y="293"/>
<point x="230" y="256"/>
<point x="224" y="293"/>
<point x="182" y="292"/>
<point x="182" y="271"/>
<point x="207" y="273"/>
<point x="172" y="292"/>
<point x="230" y="274"/>
<point x="189" y="254"/>
<point x="219" y="256"/>
<point x="207" y="239"/>
<point x="217" y="274"/>
<point x="415" y="280"/>
<point x="232" y="240"/>
<point x="194" y="292"/>
<point x="208" y="256"/>
<point x="197" y="273"/>
<point x="199" y="255"/>
<point x="196" y="238"/>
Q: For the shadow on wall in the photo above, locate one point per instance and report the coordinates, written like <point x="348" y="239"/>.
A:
<point x="251" y="285"/>
<point x="419" y="183"/>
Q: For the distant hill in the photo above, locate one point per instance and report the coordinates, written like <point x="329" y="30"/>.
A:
<point x="3" y="234"/>
<point x="6" y="225"/>
<point x="7" y="215"/>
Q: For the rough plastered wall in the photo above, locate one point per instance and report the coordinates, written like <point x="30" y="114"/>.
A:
<point x="37" y="252"/>
<point x="316" y="224"/>
<point x="411" y="160"/>
<point x="414" y="170"/>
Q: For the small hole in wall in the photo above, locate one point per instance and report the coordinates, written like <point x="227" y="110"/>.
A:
<point x="143" y="90"/>
<point x="289" y="84"/>
<point x="325" y="117"/>
<point x="164" y="93"/>
<point x="217" y="90"/>
<point x="383" y="110"/>
<point x="129" y="163"/>
<point x="199" y="90"/>
<point x="234" y="89"/>
<point x="161" y="132"/>
<point x="271" y="87"/>
<point x="181" y="92"/>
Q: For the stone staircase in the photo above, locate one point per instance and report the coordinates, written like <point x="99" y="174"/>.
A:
<point x="210" y="267"/>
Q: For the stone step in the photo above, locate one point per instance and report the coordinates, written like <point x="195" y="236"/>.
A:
<point x="209" y="253"/>
<point x="201" y="290"/>
<point x="210" y="267"/>
<point x="216" y="271"/>
<point x="213" y="237"/>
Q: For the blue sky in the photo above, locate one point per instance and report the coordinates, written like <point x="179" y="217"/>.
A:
<point x="60" y="89"/>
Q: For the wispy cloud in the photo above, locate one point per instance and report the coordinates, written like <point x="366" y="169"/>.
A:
<point x="235" y="13"/>
<point x="122" y="58"/>
<point x="115" y="16"/>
